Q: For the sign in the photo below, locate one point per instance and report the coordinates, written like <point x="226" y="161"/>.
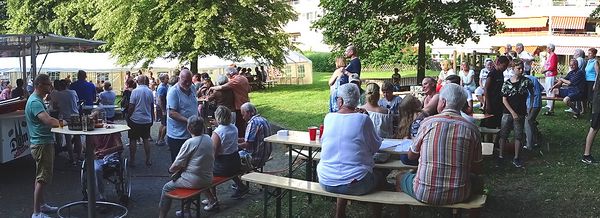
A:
<point x="14" y="137"/>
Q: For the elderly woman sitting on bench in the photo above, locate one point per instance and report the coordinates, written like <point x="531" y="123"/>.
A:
<point x="348" y="144"/>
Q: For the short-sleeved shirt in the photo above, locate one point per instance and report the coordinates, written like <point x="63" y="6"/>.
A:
<point x="143" y="100"/>
<point x="161" y="91"/>
<point x="39" y="133"/>
<point x="577" y="79"/>
<point x="257" y="130"/>
<point x="483" y="74"/>
<point x="354" y="66"/>
<point x="197" y="157"/>
<point x="537" y="93"/>
<point x="67" y="102"/>
<point x="348" y="144"/>
<point x="392" y="105"/>
<point x="184" y="104"/>
<point x="229" y="136"/>
<point x="240" y="87"/>
<point x="107" y="99"/>
<point x="86" y="91"/>
<point x="516" y="94"/>
<point x="448" y="145"/>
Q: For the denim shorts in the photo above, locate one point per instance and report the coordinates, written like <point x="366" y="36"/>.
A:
<point x="406" y="184"/>
<point x="357" y="187"/>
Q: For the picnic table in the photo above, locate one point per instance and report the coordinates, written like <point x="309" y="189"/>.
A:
<point x="481" y="116"/>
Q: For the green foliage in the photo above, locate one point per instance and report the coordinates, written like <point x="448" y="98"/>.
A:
<point x="386" y="27"/>
<point x="137" y="30"/>
<point x="321" y="61"/>
<point x="62" y="17"/>
<point x="596" y="13"/>
<point x="3" y="16"/>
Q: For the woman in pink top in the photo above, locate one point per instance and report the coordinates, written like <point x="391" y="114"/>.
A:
<point x="551" y="71"/>
<point x="5" y="94"/>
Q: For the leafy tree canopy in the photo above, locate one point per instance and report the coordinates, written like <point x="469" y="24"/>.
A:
<point x="146" y="29"/>
<point x="386" y="26"/>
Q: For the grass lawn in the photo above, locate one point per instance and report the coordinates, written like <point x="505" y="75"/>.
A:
<point x="554" y="183"/>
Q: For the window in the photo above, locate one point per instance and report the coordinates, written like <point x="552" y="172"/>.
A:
<point x="102" y="77"/>
<point x="301" y="70"/>
<point x="54" y="76"/>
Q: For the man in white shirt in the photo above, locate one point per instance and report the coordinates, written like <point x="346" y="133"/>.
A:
<point x="525" y="57"/>
<point x="140" y="115"/>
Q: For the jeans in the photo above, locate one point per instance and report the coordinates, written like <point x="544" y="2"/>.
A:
<point x="174" y="146"/>
<point x="531" y="128"/>
<point x="360" y="187"/>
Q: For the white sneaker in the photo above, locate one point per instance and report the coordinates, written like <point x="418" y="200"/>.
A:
<point x="205" y="201"/>
<point x="183" y="214"/>
<point x="40" y="215"/>
<point x="45" y="208"/>
<point x="570" y="110"/>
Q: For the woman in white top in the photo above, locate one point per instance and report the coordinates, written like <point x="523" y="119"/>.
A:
<point x="348" y="144"/>
<point x="466" y="77"/>
<point x="381" y="117"/>
<point x="195" y="159"/>
<point x="227" y="158"/>
<point x="446" y="71"/>
<point x="479" y="92"/>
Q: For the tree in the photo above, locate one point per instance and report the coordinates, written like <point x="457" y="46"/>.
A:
<point x="146" y="29"/>
<point x="371" y="24"/>
<point x="3" y="16"/>
<point x="62" y="17"/>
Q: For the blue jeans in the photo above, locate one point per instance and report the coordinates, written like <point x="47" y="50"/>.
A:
<point x="357" y="187"/>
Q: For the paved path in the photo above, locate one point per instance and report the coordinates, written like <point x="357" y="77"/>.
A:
<point x="16" y="185"/>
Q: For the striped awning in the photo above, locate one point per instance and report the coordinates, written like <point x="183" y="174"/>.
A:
<point x="568" y="50"/>
<point x="577" y="23"/>
<point x="520" y="23"/>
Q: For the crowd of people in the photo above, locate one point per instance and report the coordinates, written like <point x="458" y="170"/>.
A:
<point x="202" y="144"/>
<point x="446" y="139"/>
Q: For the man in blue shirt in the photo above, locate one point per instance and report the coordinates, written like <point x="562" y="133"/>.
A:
<point x="389" y="100"/>
<point x="181" y="104"/>
<point x="161" y="94"/>
<point x="533" y="109"/>
<point x="354" y="65"/>
<point x="41" y="142"/>
<point x="86" y="91"/>
<point x="575" y="81"/>
<point x="140" y="112"/>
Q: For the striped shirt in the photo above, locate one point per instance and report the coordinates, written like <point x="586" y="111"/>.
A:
<point x="257" y="130"/>
<point x="447" y="144"/>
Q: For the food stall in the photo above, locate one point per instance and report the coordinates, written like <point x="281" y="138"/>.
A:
<point x="14" y="137"/>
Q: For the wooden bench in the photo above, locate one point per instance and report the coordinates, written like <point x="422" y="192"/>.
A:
<point x="488" y="134"/>
<point x="192" y="196"/>
<point x="380" y="197"/>
<point x="391" y="164"/>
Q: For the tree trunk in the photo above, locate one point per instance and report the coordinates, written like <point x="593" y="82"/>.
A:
<point x="194" y="65"/>
<point x="421" y="59"/>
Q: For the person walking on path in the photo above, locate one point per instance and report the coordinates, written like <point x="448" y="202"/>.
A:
<point x="41" y="142"/>
<point x="140" y="111"/>
<point x="595" y="124"/>
<point x="161" y="95"/>
<point x="181" y="104"/>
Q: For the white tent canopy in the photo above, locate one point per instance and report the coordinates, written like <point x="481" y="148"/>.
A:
<point x="210" y="62"/>
<point x="73" y="61"/>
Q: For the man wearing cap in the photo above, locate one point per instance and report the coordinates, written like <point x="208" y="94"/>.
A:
<point x="241" y="87"/>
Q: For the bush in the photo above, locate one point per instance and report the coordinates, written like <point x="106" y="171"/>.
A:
<point x="321" y="61"/>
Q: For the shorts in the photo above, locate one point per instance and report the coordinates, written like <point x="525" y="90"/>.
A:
<point x="406" y="184"/>
<point x="573" y="96"/>
<point x="595" y="122"/>
<point x="479" y="91"/>
<point x="508" y="124"/>
<point x="139" y="130"/>
<point x="357" y="187"/>
<point x="407" y="181"/>
<point x="44" y="162"/>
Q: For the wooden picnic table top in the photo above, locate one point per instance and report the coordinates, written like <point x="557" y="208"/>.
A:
<point x="301" y="138"/>
<point x="481" y="116"/>
<point x="555" y="98"/>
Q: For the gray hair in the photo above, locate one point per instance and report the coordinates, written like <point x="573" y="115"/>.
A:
<point x="519" y="45"/>
<point x="231" y="71"/>
<point x="223" y="115"/>
<point x="163" y="76"/>
<point x="579" y="53"/>
<point x="142" y="80"/>
<point x="454" y="95"/>
<point x="551" y="46"/>
<point x="248" y="107"/>
<point x="195" y="125"/>
<point x="349" y="94"/>
<point x="221" y="80"/>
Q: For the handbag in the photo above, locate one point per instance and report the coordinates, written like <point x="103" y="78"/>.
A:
<point x="177" y="174"/>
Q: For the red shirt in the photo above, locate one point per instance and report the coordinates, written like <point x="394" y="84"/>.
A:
<point x="240" y="87"/>
<point x="551" y="65"/>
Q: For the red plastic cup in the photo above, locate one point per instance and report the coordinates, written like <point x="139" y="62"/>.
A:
<point x="312" y="132"/>
<point x="321" y="131"/>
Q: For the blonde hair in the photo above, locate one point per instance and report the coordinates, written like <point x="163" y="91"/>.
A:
<point x="340" y="62"/>
<point x="409" y="108"/>
<point x="372" y="93"/>
<point x="445" y="65"/>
